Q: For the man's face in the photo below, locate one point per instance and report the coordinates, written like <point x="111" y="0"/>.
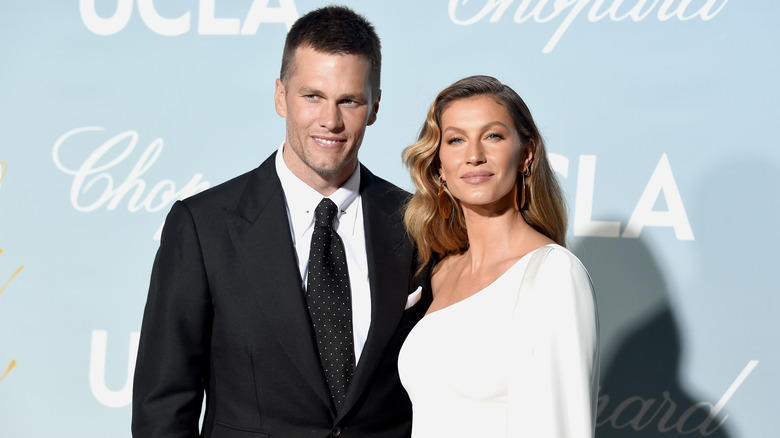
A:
<point x="327" y="103"/>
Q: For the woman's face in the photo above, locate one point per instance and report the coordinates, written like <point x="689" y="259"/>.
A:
<point x="480" y="153"/>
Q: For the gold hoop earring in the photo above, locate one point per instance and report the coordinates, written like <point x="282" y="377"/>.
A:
<point x="522" y="190"/>
<point x="527" y="187"/>
<point x="445" y="205"/>
<point x="516" y="192"/>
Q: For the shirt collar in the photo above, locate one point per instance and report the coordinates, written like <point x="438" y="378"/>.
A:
<point x="302" y="199"/>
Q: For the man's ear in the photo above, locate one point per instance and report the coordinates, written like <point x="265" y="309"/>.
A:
<point x="374" y="109"/>
<point x="280" y="98"/>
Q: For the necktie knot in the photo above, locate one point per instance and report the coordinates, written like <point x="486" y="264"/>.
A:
<point x="325" y="213"/>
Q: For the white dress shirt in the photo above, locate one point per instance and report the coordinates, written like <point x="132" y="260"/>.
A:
<point x="301" y="200"/>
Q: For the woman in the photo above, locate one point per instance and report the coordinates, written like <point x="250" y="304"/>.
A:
<point x="509" y="346"/>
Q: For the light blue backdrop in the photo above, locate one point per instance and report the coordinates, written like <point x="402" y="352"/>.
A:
<point x="661" y="115"/>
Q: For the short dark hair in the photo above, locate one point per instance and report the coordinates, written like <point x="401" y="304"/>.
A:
<point x="334" y="30"/>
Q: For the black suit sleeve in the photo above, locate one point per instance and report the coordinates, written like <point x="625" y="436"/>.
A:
<point x="172" y="365"/>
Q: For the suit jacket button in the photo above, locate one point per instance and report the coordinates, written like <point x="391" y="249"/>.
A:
<point x="336" y="432"/>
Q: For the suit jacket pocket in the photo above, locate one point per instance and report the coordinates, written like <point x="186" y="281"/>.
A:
<point x="222" y="430"/>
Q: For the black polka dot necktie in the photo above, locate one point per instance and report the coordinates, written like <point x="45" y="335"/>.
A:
<point x="329" y="299"/>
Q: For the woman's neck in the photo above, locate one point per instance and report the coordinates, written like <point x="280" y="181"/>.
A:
<point x="495" y="237"/>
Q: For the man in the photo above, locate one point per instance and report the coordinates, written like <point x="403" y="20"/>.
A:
<point x="241" y="279"/>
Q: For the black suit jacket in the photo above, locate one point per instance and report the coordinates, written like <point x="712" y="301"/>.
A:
<point x="226" y="316"/>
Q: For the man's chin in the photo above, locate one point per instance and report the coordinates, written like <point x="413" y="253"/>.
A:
<point x="331" y="169"/>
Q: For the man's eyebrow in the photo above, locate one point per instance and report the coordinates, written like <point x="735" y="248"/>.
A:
<point x="309" y="90"/>
<point x="359" y="97"/>
<point x="306" y="90"/>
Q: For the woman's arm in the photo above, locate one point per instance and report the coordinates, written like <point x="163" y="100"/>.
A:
<point x="554" y="371"/>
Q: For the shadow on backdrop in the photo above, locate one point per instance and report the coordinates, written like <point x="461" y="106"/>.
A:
<point x="641" y="394"/>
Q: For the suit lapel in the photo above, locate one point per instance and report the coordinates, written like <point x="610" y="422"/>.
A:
<point x="388" y="267"/>
<point x="261" y="234"/>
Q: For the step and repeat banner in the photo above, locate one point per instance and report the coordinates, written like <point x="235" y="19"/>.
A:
<point x="660" y="116"/>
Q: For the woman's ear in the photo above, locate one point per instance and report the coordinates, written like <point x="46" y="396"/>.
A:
<point x="440" y="170"/>
<point x="529" y="157"/>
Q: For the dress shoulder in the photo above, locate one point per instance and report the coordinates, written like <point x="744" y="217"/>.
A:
<point x="562" y="266"/>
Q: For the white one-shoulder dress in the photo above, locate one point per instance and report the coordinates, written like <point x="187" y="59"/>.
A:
<point x="509" y="361"/>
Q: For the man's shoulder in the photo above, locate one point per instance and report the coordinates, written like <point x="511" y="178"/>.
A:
<point x="375" y="186"/>
<point x="228" y="194"/>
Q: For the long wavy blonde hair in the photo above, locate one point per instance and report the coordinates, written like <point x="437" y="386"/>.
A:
<point x="544" y="209"/>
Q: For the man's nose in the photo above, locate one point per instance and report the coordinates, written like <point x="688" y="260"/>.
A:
<point x="331" y="119"/>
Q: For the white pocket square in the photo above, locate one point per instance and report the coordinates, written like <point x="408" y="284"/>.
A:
<point x="413" y="298"/>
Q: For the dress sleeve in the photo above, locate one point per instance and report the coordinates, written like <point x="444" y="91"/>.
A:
<point x="172" y="365"/>
<point x="553" y="383"/>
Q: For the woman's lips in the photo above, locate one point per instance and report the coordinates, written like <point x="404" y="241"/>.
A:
<point x="476" y="177"/>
